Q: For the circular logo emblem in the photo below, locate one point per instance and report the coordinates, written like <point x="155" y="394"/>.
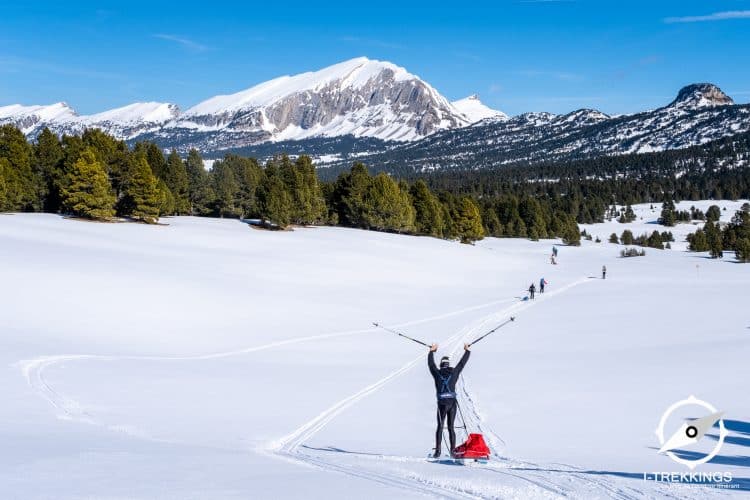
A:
<point x="691" y="432"/>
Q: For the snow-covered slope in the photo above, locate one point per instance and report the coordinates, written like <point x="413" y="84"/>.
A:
<point x="475" y="110"/>
<point x="126" y="122"/>
<point x="226" y="363"/>
<point x="29" y="119"/>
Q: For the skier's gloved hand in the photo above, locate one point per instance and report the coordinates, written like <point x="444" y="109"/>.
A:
<point x="433" y="347"/>
<point x="467" y="347"/>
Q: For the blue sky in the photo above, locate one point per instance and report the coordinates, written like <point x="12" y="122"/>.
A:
<point x="520" y="55"/>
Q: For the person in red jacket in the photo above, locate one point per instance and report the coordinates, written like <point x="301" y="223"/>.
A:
<point x="445" y="387"/>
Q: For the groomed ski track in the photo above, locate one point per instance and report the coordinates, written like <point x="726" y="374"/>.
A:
<point x="292" y="447"/>
<point x="545" y="481"/>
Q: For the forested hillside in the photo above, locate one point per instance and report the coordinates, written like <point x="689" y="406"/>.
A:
<point x="96" y="176"/>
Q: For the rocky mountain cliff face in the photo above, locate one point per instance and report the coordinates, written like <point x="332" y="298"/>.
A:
<point x="699" y="114"/>
<point x="359" y="97"/>
<point x="377" y="112"/>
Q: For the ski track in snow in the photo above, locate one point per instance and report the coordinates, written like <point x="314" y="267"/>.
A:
<point x="68" y="409"/>
<point x="291" y="447"/>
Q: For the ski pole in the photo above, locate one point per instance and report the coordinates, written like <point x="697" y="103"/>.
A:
<point x="512" y="318"/>
<point x="377" y="325"/>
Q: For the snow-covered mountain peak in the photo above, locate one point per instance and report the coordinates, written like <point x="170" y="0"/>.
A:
<point x="700" y="95"/>
<point x="584" y="117"/>
<point x="139" y="112"/>
<point x="353" y="74"/>
<point x="46" y="112"/>
<point x="360" y="97"/>
<point x="28" y="118"/>
<point x="475" y="110"/>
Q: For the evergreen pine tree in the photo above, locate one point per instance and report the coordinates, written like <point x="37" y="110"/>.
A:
<point x="166" y="198"/>
<point x="154" y="158"/>
<point x="88" y="192"/>
<point x="655" y="241"/>
<point x="469" y="221"/>
<point x="627" y="216"/>
<point x="627" y="237"/>
<point x="490" y="220"/>
<point x="714" y="240"/>
<point x="48" y="157"/>
<point x="274" y="201"/>
<point x="21" y="184"/>
<point x="4" y="164"/>
<point x="713" y="214"/>
<point x="200" y="192"/>
<point x="248" y="175"/>
<point x="742" y="249"/>
<point x="142" y="192"/>
<point x="176" y="180"/>
<point x="532" y="215"/>
<point x="301" y="183"/>
<point x="613" y="238"/>
<point x="315" y="210"/>
<point x="349" y="195"/>
<point x="428" y="213"/>
<point x="572" y="234"/>
<point x="667" y="214"/>
<point x="387" y="206"/>
<point x="697" y="242"/>
<point x="226" y="188"/>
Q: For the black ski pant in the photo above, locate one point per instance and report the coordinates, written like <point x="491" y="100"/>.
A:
<point x="445" y="408"/>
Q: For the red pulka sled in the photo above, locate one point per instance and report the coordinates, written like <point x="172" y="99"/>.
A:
<point x="474" y="447"/>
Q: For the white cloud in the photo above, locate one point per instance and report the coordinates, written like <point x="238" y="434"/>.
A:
<point x="716" y="16"/>
<point x="185" y="42"/>
<point x="557" y="75"/>
<point x="371" y="42"/>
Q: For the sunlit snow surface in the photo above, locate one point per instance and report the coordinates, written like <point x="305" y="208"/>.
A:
<point x="206" y="359"/>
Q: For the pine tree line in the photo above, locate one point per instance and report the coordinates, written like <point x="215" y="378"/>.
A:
<point x="715" y="239"/>
<point x="96" y="176"/>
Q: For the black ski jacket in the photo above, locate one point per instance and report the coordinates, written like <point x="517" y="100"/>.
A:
<point x="449" y="374"/>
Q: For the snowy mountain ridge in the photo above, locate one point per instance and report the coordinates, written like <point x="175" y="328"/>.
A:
<point x="126" y="122"/>
<point x="382" y="114"/>
<point x="359" y="97"/>
<point x="700" y="113"/>
<point x="475" y="110"/>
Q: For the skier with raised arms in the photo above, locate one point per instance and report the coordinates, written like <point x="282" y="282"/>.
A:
<point x="445" y="387"/>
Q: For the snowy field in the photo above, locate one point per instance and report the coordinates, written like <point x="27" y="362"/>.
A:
<point x="206" y="359"/>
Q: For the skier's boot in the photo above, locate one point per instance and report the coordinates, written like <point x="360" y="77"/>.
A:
<point x="437" y="453"/>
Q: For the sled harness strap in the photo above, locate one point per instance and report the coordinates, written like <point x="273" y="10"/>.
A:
<point x="445" y="390"/>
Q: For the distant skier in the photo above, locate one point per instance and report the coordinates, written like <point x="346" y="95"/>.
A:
<point x="542" y="282"/>
<point x="552" y="259"/>
<point x="604" y="272"/>
<point x="554" y="251"/>
<point x="445" y="386"/>
<point x="532" y="290"/>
